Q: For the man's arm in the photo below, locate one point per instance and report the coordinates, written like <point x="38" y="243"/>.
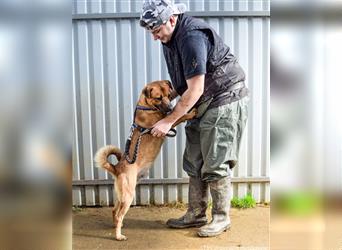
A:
<point x="185" y="103"/>
<point x="188" y="99"/>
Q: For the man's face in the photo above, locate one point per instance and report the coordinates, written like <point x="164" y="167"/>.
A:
<point x="164" y="31"/>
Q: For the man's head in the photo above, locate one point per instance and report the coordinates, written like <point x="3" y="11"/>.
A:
<point x="159" y="17"/>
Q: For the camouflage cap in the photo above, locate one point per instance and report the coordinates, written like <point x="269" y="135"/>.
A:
<point x="157" y="12"/>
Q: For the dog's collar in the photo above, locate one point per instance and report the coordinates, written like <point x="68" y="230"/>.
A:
<point x="142" y="130"/>
<point x="138" y="107"/>
<point x="145" y="108"/>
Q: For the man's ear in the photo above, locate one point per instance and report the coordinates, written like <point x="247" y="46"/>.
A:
<point x="147" y="92"/>
<point x="173" y="20"/>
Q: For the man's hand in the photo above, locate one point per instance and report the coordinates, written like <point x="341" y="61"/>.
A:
<point x="161" y="128"/>
<point x="184" y="104"/>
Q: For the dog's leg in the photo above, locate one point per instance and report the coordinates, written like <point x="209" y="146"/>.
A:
<point x="114" y="212"/>
<point x="122" y="210"/>
<point x="125" y="192"/>
<point x="186" y="117"/>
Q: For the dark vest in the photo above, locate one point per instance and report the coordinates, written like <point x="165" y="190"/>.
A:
<point x="223" y="70"/>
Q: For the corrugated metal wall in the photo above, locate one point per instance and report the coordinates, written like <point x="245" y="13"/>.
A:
<point x="113" y="58"/>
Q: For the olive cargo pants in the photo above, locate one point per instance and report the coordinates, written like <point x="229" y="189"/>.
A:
<point x="213" y="141"/>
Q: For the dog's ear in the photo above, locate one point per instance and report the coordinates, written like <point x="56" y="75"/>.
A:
<point x="169" y="83"/>
<point x="147" y="92"/>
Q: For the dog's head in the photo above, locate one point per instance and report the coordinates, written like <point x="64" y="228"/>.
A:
<point x="158" y="95"/>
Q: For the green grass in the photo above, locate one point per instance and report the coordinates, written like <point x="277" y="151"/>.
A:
<point x="299" y="203"/>
<point x="245" y="202"/>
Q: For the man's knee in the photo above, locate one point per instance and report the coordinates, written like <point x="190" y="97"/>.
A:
<point x="193" y="170"/>
<point x="213" y="173"/>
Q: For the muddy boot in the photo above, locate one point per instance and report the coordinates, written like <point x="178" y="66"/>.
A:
<point x="219" y="190"/>
<point x="198" y="201"/>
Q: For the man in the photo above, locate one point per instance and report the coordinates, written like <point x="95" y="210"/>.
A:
<point x="207" y="76"/>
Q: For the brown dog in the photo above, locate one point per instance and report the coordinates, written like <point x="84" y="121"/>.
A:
<point x="142" y="148"/>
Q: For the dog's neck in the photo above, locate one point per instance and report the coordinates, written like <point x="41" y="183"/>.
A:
<point x="147" y="118"/>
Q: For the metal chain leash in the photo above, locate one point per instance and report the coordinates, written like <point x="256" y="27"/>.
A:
<point x="136" y="148"/>
<point x="171" y="133"/>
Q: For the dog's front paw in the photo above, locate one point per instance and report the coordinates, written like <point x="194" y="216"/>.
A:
<point x="121" y="237"/>
<point x="193" y="113"/>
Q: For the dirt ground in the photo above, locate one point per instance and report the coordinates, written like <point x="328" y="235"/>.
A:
<point x="146" y="229"/>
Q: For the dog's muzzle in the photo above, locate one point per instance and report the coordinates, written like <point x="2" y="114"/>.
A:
<point x="165" y="109"/>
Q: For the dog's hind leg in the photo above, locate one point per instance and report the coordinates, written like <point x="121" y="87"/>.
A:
<point x="125" y="192"/>
<point x="114" y="212"/>
<point x="121" y="212"/>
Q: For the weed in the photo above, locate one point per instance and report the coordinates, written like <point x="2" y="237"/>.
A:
<point x="245" y="202"/>
<point x="178" y="205"/>
<point x="299" y="203"/>
<point x="76" y="209"/>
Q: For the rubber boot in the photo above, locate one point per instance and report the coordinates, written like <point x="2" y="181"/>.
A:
<point x="198" y="201"/>
<point x="219" y="190"/>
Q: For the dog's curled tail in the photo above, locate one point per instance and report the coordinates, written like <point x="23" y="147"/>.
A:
<point x="101" y="157"/>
